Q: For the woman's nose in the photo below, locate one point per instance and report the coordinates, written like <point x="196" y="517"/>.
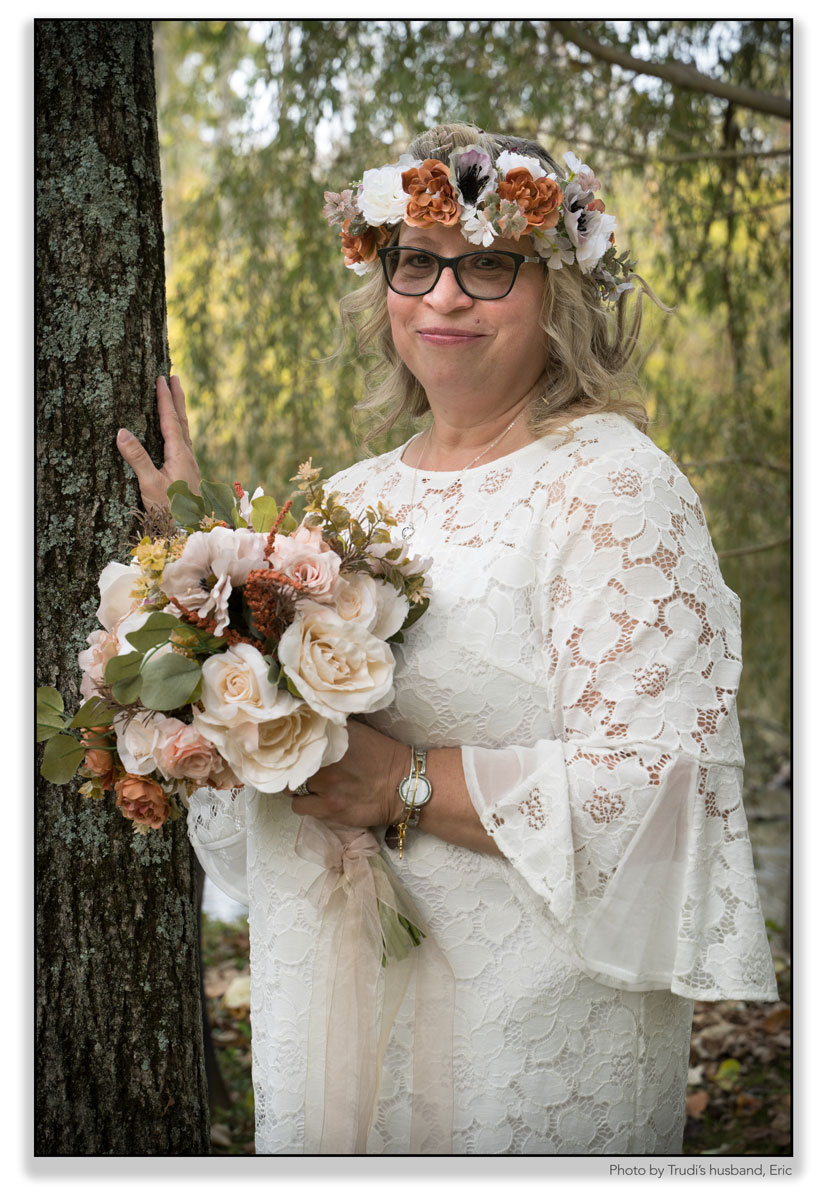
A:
<point x="446" y="294"/>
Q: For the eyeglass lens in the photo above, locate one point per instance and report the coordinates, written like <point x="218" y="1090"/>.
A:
<point x="487" y="276"/>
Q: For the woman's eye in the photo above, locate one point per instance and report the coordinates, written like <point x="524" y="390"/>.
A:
<point x="489" y="263"/>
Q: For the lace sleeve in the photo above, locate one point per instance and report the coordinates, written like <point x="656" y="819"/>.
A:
<point x="628" y="822"/>
<point x="217" y="828"/>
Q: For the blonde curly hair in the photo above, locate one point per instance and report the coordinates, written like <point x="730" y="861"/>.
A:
<point x="590" y="347"/>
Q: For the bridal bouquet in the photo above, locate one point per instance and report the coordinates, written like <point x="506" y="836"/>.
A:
<point x="234" y="646"/>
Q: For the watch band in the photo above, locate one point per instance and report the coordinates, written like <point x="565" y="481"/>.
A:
<point x="414" y="791"/>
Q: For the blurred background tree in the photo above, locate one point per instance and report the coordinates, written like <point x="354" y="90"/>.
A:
<point x="686" y="123"/>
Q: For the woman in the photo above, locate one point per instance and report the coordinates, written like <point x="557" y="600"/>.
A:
<point x="580" y="857"/>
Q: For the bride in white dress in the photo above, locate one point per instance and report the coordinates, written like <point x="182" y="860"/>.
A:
<point x="582" y="859"/>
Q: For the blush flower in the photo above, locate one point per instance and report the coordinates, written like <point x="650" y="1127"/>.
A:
<point x="102" y="647"/>
<point x="432" y="199"/>
<point x="210" y="566"/>
<point x="99" y="757"/>
<point x="182" y="752"/>
<point x="306" y="560"/>
<point x="338" y="668"/>
<point x="372" y="603"/>
<point x="142" y="801"/>
<point x="235" y="690"/>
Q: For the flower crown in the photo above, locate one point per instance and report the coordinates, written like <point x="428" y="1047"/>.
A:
<point x="512" y="197"/>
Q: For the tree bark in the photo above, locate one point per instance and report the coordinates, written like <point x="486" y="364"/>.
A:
<point x="119" y="1051"/>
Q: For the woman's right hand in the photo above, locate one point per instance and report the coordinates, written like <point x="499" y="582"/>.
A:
<point x="179" y="457"/>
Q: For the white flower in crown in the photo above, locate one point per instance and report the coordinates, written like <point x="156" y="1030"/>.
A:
<point x="552" y="246"/>
<point x="382" y="200"/>
<point x="509" y="161"/>
<point x="584" y="174"/>
<point x="590" y="233"/>
<point x="472" y="177"/>
<point x="476" y="227"/>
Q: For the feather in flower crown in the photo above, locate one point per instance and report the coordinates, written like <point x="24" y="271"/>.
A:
<point x="512" y="197"/>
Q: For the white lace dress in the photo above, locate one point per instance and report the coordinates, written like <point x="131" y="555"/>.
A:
<point x="582" y="649"/>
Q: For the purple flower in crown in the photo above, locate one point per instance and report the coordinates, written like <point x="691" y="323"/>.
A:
<point x="472" y="175"/>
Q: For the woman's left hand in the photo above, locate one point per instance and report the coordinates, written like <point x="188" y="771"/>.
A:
<point x="360" y="789"/>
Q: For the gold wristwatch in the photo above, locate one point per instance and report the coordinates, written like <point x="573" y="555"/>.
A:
<point x="414" y="791"/>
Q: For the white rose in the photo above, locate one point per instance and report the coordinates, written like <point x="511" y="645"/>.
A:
<point x="235" y="689"/>
<point x="138" y="740"/>
<point x="280" y="753"/>
<point x="116" y="584"/>
<point x="599" y="227"/>
<point x="338" y="668"/>
<point x="382" y="198"/>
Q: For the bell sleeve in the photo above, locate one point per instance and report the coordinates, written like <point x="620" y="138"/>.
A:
<point x="627" y="822"/>
<point x="217" y="828"/>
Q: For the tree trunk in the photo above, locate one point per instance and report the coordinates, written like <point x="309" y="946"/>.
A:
<point x="120" y="1062"/>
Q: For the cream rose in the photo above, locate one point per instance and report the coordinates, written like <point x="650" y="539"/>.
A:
<point x="372" y="603"/>
<point x="116" y="584"/>
<point x="382" y="199"/>
<point x="281" y="753"/>
<point x="235" y="690"/>
<point x="339" y="668"/>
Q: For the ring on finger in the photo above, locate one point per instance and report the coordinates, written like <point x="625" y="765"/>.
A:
<point x="302" y="790"/>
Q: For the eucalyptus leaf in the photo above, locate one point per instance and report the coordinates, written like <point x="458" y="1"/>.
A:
<point x="61" y="758"/>
<point x="50" y="714"/>
<point x="187" y="509"/>
<point x="155" y="630"/>
<point x="265" y="511"/>
<point x="220" y="500"/>
<point x="123" y="666"/>
<point x="95" y="712"/>
<point x="168" y="681"/>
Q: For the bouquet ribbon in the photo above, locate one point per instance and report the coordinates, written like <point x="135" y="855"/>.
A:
<point x="355" y="1000"/>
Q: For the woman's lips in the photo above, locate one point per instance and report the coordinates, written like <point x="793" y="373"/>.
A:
<point x="446" y="336"/>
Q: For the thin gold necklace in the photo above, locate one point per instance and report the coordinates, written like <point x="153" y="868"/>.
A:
<point x="408" y="530"/>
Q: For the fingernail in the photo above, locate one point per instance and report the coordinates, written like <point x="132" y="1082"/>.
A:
<point x="124" y="437"/>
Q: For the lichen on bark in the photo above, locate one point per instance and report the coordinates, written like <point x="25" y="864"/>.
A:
<point x="119" y="1039"/>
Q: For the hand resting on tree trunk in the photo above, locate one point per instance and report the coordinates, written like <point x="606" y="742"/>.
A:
<point x="179" y="457"/>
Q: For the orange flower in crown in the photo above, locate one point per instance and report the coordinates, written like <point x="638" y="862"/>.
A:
<point x="433" y="200"/>
<point x="514" y="195"/>
<point x="361" y="247"/>
<point x="539" y="199"/>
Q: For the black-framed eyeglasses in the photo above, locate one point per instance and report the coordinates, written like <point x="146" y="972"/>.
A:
<point x="482" y="274"/>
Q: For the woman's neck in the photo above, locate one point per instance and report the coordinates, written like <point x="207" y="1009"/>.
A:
<point x="456" y="440"/>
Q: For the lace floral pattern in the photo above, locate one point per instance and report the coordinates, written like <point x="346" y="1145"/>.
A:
<point x="582" y="649"/>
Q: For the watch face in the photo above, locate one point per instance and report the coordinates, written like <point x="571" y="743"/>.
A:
<point x="415" y="792"/>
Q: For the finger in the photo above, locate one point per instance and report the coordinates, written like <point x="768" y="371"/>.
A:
<point x="137" y="458"/>
<point x="176" y="440"/>
<point x="180" y="407"/>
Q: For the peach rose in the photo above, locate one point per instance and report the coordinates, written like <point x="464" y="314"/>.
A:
<point x="539" y="199"/>
<point x="182" y="753"/>
<point x="433" y="200"/>
<point x="142" y="800"/>
<point x="99" y="759"/>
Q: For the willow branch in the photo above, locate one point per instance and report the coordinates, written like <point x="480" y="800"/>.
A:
<point x="679" y="74"/>
<point x="757" y="549"/>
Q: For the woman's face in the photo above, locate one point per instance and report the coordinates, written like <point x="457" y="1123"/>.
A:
<point x="457" y="346"/>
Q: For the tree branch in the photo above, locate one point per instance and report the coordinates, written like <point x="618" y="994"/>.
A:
<point x="732" y="460"/>
<point x="679" y="74"/>
<point x="757" y="549"/>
